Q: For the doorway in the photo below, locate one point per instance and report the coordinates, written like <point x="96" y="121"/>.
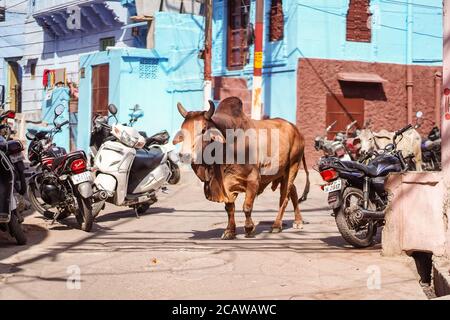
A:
<point x="14" y="91"/>
<point x="343" y="111"/>
<point x="100" y="89"/>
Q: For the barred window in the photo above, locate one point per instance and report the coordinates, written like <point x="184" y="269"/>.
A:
<point x="237" y="38"/>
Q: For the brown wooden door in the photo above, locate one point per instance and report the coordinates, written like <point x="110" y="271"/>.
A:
<point x="237" y="46"/>
<point x="344" y="111"/>
<point x="100" y="89"/>
<point x="15" y="94"/>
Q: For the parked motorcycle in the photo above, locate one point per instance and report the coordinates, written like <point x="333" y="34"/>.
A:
<point x="343" y="146"/>
<point x="10" y="218"/>
<point x="431" y="150"/>
<point x="130" y="168"/>
<point x="5" y="129"/>
<point x="62" y="181"/>
<point x="356" y="191"/>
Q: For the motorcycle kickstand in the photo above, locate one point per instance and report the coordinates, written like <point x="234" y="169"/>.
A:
<point x="136" y="212"/>
<point x="55" y="217"/>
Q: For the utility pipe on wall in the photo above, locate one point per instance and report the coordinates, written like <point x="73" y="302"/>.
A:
<point x="438" y="98"/>
<point x="258" y="62"/>
<point x="445" y="148"/>
<point x="207" y="86"/>
<point x="409" y="61"/>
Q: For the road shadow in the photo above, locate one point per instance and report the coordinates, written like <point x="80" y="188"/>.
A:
<point x="339" y="242"/>
<point x="129" y="213"/>
<point x="260" y="227"/>
<point x="35" y="235"/>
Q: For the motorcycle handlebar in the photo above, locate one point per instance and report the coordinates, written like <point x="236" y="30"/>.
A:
<point x="401" y="131"/>
<point x="60" y="125"/>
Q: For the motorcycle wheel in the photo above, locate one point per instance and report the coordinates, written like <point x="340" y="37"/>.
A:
<point x="43" y="208"/>
<point x="97" y="207"/>
<point x="16" y="231"/>
<point x="176" y="174"/>
<point x="347" y="229"/>
<point x="84" y="215"/>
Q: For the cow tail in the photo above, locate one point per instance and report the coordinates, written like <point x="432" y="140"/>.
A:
<point x="306" y="190"/>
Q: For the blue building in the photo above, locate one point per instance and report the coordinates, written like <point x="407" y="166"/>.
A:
<point x="324" y="60"/>
<point x="327" y="60"/>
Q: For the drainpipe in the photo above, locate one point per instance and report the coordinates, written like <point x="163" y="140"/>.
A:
<point x="445" y="148"/>
<point x="207" y="86"/>
<point x="409" y="61"/>
<point x="258" y="61"/>
<point x="438" y="98"/>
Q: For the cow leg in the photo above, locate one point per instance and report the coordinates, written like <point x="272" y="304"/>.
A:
<point x="285" y="192"/>
<point x="230" y="231"/>
<point x="298" y="222"/>
<point x="284" y="199"/>
<point x="250" y="196"/>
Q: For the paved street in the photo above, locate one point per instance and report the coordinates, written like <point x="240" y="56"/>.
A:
<point x="175" y="252"/>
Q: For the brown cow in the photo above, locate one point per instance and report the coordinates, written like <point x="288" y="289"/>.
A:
<point x="224" y="180"/>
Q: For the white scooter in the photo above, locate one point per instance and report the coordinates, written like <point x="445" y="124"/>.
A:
<point x="130" y="168"/>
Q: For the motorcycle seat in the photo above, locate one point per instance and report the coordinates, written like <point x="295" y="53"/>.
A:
<point x="159" y="138"/>
<point x="146" y="161"/>
<point x="370" y="170"/>
<point x="36" y="134"/>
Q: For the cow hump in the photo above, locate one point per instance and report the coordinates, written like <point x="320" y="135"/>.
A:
<point x="230" y="115"/>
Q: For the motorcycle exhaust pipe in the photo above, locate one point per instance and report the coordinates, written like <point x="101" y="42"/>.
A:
<point x="101" y="195"/>
<point x="374" y="215"/>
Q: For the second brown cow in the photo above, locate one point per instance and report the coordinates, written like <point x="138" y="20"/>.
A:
<point x="271" y="153"/>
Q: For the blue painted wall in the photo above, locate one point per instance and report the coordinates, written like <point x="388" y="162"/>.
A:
<point x="317" y="29"/>
<point x="155" y="79"/>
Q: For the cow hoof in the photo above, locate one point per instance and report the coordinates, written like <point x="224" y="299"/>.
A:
<point x="298" y="225"/>
<point x="228" y="235"/>
<point x="250" y="232"/>
<point x="276" y="230"/>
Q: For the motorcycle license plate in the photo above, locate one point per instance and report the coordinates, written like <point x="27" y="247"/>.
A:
<point x="82" y="177"/>
<point x="16" y="157"/>
<point x="334" y="186"/>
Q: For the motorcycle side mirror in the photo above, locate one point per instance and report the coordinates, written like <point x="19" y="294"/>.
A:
<point x="112" y="109"/>
<point x="59" y="110"/>
<point x="29" y="136"/>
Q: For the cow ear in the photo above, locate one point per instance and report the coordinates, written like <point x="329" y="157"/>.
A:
<point x="178" y="138"/>
<point x="215" y="135"/>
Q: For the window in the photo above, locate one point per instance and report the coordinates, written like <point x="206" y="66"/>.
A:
<point x="2" y="14"/>
<point x="276" y="20"/>
<point x="107" y="42"/>
<point x="358" y="21"/>
<point x="238" y="32"/>
<point x="344" y="111"/>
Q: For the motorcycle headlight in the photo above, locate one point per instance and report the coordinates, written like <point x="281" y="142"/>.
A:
<point x="128" y="140"/>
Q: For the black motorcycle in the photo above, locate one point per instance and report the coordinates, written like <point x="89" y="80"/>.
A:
<point x="62" y="180"/>
<point x="356" y="191"/>
<point x="431" y="150"/>
<point x="10" y="219"/>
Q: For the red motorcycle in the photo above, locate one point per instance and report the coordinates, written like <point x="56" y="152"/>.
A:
<point x="62" y="181"/>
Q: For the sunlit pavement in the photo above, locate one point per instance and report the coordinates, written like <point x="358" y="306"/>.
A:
<point x="174" y="251"/>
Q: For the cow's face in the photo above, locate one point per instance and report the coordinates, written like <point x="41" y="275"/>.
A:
<point x="367" y="140"/>
<point x="197" y="131"/>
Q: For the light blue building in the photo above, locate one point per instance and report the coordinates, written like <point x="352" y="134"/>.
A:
<point x="324" y="60"/>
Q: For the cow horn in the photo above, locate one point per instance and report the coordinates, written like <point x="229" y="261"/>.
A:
<point x="182" y="110"/>
<point x="210" y="112"/>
